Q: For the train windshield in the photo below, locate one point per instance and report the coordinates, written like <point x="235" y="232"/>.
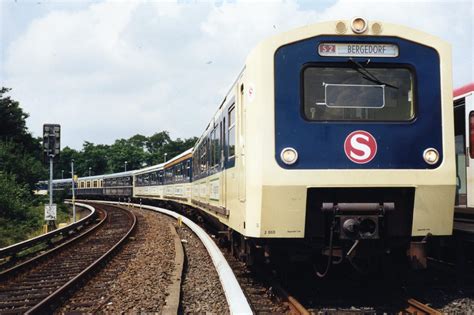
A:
<point x="357" y="94"/>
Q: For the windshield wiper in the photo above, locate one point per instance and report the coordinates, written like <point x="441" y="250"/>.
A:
<point x="366" y="74"/>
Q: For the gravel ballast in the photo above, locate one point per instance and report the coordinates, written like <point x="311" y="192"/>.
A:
<point x="139" y="278"/>
<point x="201" y="287"/>
<point x="136" y="280"/>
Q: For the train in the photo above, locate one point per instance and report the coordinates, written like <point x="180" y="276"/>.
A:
<point x="335" y="140"/>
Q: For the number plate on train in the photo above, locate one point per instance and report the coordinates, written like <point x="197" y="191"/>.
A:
<point x="357" y="50"/>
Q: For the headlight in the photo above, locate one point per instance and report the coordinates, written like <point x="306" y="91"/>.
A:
<point x="359" y="25"/>
<point x="431" y="156"/>
<point x="289" y="156"/>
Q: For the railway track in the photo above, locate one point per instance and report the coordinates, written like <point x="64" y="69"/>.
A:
<point x="14" y="257"/>
<point x="418" y="308"/>
<point x="49" y="279"/>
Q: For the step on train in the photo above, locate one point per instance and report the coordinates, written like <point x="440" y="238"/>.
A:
<point x="334" y="140"/>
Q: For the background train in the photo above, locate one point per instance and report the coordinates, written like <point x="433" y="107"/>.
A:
<point x="464" y="139"/>
<point x="335" y="139"/>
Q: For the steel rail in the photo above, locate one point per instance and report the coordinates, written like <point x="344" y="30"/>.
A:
<point x="21" y="246"/>
<point x="4" y="274"/>
<point x="44" y="306"/>
<point x="418" y="308"/>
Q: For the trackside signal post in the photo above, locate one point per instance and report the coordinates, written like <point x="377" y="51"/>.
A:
<point x="51" y="149"/>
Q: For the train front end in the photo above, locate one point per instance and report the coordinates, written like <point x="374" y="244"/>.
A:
<point x="358" y="143"/>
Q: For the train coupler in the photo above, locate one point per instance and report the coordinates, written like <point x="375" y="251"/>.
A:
<point x="358" y="220"/>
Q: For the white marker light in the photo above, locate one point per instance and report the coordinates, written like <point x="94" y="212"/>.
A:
<point x="359" y="25"/>
<point x="431" y="156"/>
<point x="289" y="156"/>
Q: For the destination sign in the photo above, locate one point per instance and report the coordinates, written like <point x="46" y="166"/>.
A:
<point x="357" y="50"/>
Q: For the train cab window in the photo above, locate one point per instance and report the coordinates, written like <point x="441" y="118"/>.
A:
<point x="88" y="184"/>
<point x="95" y="184"/>
<point x="356" y="94"/>
<point x="231" y="133"/>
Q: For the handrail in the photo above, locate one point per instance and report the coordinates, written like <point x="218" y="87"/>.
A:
<point x="18" y="247"/>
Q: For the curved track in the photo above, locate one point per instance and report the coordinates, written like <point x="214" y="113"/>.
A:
<point x="40" y="288"/>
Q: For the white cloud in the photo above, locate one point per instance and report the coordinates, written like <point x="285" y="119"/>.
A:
<point x="114" y="69"/>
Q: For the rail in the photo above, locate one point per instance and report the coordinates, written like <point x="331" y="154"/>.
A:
<point x="47" y="237"/>
<point x="418" y="308"/>
<point x="43" y="307"/>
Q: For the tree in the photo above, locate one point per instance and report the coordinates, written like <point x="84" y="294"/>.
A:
<point x="156" y="142"/>
<point x="129" y="151"/>
<point x="20" y="169"/>
<point x="20" y="153"/>
<point x="94" y="156"/>
<point x="21" y="164"/>
<point x="62" y="166"/>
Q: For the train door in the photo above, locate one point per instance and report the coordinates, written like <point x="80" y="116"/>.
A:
<point x="242" y="133"/>
<point x="222" y="128"/>
<point x="461" y="160"/>
<point x="469" y="151"/>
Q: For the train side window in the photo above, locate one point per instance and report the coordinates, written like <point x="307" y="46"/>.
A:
<point x="188" y="169"/>
<point x="203" y="165"/>
<point x="212" y="136"/>
<point x="231" y="133"/>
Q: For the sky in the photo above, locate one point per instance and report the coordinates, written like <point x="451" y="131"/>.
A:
<point x="106" y="70"/>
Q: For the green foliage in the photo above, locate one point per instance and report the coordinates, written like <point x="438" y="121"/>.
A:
<point x="24" y="166"/>
<point x="18" y="216"/>
<point x="138" y="151"/>
<point x="20" y="170"/>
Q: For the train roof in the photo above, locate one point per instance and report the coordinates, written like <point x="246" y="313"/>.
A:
<point x="463" y="91"/>
<point x="121" y="174"/>
<point x="58" y="181"/>
<point x="151" y="168"/>
<point x="179" y="157"/>
<point x="91" y="177"/>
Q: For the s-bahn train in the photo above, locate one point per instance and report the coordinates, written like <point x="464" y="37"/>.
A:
<point x="335" y="137"/>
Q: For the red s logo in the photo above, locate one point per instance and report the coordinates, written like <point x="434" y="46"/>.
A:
<point x="360" y="147"/>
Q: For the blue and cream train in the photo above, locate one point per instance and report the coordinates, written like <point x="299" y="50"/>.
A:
<point x="336" y="135"/>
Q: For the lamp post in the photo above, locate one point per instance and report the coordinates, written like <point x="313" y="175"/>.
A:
<point x="89" y="171"/>
<point x="165" y="156"/>
<point x="62" y="174"/>
<point x="126" y="166"/>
